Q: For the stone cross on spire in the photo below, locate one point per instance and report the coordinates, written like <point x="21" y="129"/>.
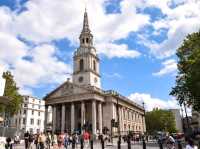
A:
<point x="86" y="38"/>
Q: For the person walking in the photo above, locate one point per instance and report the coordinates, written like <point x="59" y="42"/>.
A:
<point x="48" y="140"/>
<point x="86" y="138"/>
<point x="66" y="140"/>
<point x="190" y="145"/>
<point x="42" y="140"/>
<point x="8" y="144"/>
<point x="26" y="140"/>
<point x="31" y="141"/>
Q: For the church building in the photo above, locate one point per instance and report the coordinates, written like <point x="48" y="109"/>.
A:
<point x="83" y="104"/>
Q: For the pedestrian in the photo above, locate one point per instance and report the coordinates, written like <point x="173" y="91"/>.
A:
<point x="8" y="144"/>
<point x="26" y="140"/>
<point x="54" y="140"/>
<point x="73" y="141"/>
<point x="190" y="144"/>
<point x="31" y="141"/>
<point x="170" y="141"/>
<point x="66" y="140"/>
<point x="86" y="138"/>
<point x="42" y="140"/>
<point x="36" y="141"/>
<point x="60" y="140"/>
<point x="48" y="140"/>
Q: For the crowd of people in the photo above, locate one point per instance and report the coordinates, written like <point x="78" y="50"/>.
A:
<point x="48" y="140"/>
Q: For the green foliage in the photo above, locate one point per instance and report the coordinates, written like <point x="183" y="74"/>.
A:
<point x="160" y="120"/>
<point x="11" y="91"/>
<point x="187" y="87"/>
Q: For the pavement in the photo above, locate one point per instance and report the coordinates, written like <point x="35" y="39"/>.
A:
<point x="98" y="146"/>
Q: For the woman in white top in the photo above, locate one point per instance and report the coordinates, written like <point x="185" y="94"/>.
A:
<point x="190" y="145"/>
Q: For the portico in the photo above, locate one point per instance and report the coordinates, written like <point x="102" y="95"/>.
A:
<point x="77" y="116"/>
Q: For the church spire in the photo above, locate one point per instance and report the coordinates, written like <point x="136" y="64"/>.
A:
<point x="86" y="38"/>
<point x="85" y="23"/>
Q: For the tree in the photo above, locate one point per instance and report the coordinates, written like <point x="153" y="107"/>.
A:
<point x="187" y="88"/>
<point x="11" y="91"/>
<point x="160" y="120"/>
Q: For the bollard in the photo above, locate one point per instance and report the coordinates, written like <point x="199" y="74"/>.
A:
<point x="102" y="143"/>
<point x="81" y="143"/>
<point x="144" y="143"/>
<point x="129" y="143"/>
<point x="91" y="144"/>
<point x="118" y="144"/>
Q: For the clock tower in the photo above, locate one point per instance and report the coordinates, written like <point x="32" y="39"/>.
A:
<point x="85" y="59"/>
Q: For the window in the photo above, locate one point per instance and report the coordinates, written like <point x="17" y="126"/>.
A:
<point x="83" y="40"/>
<point x="38" y="122"/>
<point x="81" y="65"/>
<point x="94" y="65"/>
<point x="32" y="121"/>
<point x="87" y="40"/>
<point x="24" y="121"/>
<point x="32" y="112"/>
<point x="33" y="106"/>
<point x="38" y="113"/>
<point x="38" y="106"/>
<point x="16" y="121"/>
<point x="25" y="105"/>
<point x="24" y="111"/>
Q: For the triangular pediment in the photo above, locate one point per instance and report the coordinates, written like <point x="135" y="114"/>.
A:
<point x="66" y="89"/>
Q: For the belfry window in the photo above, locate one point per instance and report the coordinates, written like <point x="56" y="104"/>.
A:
<point x="87" y="40"/>
<point x="94" y="65"/>
<point x="81" y="65"/>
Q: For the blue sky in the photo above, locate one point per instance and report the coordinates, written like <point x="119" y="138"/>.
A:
<point x="136" y="42"/>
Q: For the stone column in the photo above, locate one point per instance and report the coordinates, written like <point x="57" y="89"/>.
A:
<point x="63" y="119"/>
<point x="94" y="117"/>
<point x="82" y="113"/>
<point x="122" y="117"/>
<point x="144" y="124"/>
<point x="72" y="117"/>
<point x="45" y="117"/>
<point x="54" y="119"/>
<point x="100" y="117"/>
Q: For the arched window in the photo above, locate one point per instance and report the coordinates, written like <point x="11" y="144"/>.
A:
<point x="94" y="65"/>
<point x="81" y="65"/>
<point x="83" y="40"/>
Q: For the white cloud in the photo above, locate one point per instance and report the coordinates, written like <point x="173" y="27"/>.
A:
<point x="179" y="21"/>
<point x="152" y="102"/>
<point x="40" y="24"/>
<point x="119" y="51"/>
<point x="169" y="67"/>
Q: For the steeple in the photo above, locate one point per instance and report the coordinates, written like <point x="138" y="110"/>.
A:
<point x="86" y="38"/>
<point x="85" y="23"/>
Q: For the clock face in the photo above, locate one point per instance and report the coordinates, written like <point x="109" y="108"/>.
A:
<point x="80" y="79"/>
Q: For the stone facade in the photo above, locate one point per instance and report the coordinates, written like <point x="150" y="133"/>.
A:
<point x="82" y="104"/>
<point x="31" y="115"/>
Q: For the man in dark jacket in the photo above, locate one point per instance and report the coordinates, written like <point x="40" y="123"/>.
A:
<point x="26" y="139"/>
